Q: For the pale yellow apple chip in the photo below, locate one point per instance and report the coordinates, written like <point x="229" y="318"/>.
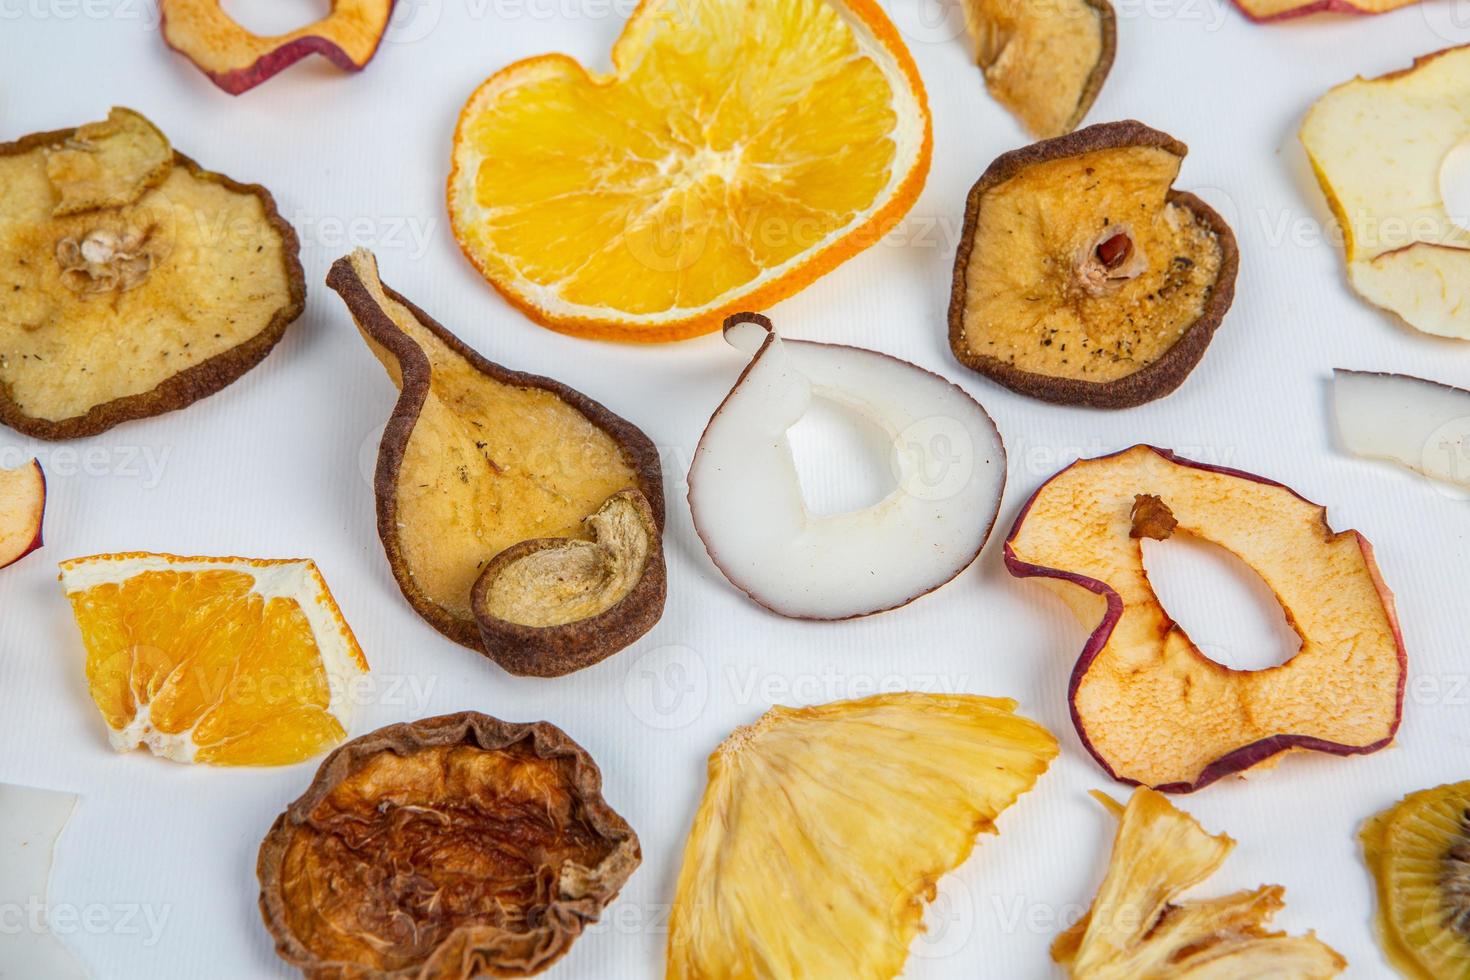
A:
<point x="1389" y="155"/>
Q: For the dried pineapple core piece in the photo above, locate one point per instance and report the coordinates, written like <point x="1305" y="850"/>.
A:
<point x="1136" y="930"/>
<point x="823" y="831"/>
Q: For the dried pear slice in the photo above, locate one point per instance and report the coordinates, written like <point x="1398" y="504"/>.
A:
<point x="1139" y="929"/>
<point x="130" y="287"/>
<point x="1419" y="854"/>
<point x="1045" y="62"/>
<point x="609" y="589"/>
<point x="450" y="848"/>
<point x="479" y="467"/>
<point x="1083" y="277"/>
<point x="237" y="60"/>
<point x="823" y="831"/>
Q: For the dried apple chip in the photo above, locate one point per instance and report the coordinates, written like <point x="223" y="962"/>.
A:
<point x="1389" y="154"/>
<point x="1148" y="704"/>
<point x="450" y="848"/>
<point x="237" y="60"/>
<point x="134" y="281"/>
<point x="1267" y="10"/>
<point x="823" y="831"/>
<point x="521" y="518"/>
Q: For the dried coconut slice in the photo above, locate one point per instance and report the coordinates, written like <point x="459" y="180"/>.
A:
<point x="1422" y="425"/>
<point x="746" y="499"/>
<point x="450" y="848"/>
<point x="131" y="288"/>
<point x="823" y="831"/>
<point x="521" y="518"/>
<point x="31" y="823"/>
<point x="237" y="60"/>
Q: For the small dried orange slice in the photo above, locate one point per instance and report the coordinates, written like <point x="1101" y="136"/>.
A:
<point x="737" y="152"/>
<point x="230" y="661"/>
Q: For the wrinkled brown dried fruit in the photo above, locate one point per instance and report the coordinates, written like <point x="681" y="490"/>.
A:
<point x="450" y="848"/>
<point x="1045" y="62"/>
<point x="134" y="281"/>
<point x="238" y="60"/>
<point x="484" y="471"/>
<point x="1138" y="927"/>
<point x="1083" y="277"/>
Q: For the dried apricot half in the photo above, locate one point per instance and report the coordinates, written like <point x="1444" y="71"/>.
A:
<point x="455" y="847"/>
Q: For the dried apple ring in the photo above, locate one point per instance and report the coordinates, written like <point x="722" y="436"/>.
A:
<point x="237" y="60"/>
<point x="1149" y="706"/>
<point x="454" y="847"/>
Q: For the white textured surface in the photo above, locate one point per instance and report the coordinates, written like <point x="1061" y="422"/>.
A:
<point x="274" y="467"/>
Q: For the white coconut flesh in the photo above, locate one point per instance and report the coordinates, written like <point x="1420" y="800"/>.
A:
<point x="745" y="493"/>
<point x="1423" y="425"/>
<point x="31" y="821"/>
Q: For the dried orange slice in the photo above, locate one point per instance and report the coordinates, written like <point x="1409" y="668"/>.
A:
<point x="231" y="661"/>
<point x="737" y="152"/>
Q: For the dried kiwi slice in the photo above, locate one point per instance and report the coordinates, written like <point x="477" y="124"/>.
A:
<point x="1419" y="853"/>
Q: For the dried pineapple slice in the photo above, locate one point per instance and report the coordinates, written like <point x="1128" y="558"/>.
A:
<point x="1419" y="853"/>
<point x="852" y="809"/>
<point x="1137" y="931"/>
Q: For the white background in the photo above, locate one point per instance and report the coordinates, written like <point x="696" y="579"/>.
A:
<point x="275" y="466"/>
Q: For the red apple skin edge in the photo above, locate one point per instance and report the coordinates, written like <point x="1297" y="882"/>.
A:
<point x="1246" y="756"/>
<point x="242" y="80"/>
<point x="1320" y="7"/>
<point x="36" y="542"/>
